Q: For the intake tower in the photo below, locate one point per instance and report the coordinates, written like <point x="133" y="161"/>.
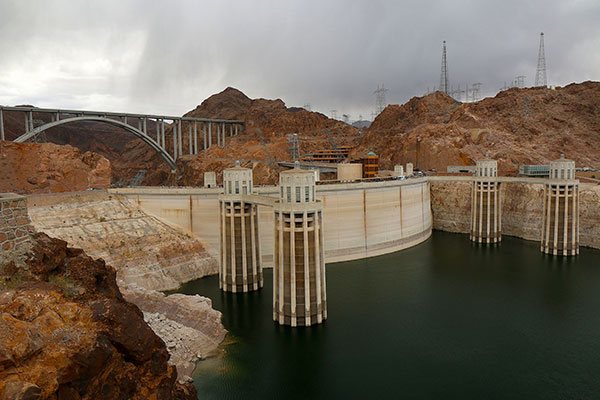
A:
<point x="299" y="287"/>
<point x="240" y="268"/>
<point x="560" y="226"/>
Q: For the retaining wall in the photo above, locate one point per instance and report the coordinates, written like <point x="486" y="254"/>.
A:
<point x="15" y="228"/>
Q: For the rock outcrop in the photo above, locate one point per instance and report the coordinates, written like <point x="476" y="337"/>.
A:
<point x="189" y="325"/>
<point x="517" y="126"/>
<point x="66" y="332"/>
<point x="50" y="168"/>
<point x="522" y="207"/>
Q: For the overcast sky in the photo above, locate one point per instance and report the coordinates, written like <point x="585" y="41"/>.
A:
<point x="167" y="56"/>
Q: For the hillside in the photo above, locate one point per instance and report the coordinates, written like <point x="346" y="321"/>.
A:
<point x="517" y="126"/>
<point x="264" y="140"/>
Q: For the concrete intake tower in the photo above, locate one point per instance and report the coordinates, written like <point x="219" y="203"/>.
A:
<point x="240" y="267"/>
<point x="560" y="227"/>
<point x="486" y="212"/>
<point x="299" y="287"/>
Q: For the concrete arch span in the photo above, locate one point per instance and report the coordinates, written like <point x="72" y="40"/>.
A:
<point x="149" y="141"/>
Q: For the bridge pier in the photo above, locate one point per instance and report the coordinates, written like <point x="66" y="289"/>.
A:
<point x="240" y="260"/>
<point x="1" y="125"/>
<point x="174" y="131"/>
<point x="180" y="137"/>
<point x="299" y="285"/>
<point x="560" y="226"/>
<point x="157" y="123"/>
<point x="195" y="138"/>
<point x="223" y="134"/>
<point x="191" y="148"/>
<point x="486" y="213"/>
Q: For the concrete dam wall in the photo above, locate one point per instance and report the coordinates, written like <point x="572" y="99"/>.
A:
<point x="359" y="220"/>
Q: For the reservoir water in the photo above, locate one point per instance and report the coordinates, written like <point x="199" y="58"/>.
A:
<point x="447" y="319"/>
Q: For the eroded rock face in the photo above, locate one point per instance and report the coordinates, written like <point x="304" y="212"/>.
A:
<point x="522" y="207"/>
<point x="66" y="330"/>
<point x="49" y="168"/>
<point x="143" y="249"/>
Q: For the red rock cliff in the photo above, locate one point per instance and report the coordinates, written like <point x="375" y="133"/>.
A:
<point x="49" y="168"/>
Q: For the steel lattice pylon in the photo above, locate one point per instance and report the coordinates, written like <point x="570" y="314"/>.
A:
<point x="444" y="88"/>
<point x="540" y="73"/>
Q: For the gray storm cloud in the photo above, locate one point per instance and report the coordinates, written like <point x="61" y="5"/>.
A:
<point x="166" y="57"/>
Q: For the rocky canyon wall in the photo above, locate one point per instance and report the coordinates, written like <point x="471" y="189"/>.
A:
<point x="522" y="207"/>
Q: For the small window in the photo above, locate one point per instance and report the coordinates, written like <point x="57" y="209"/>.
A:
<point x="244" y="189"/>
<point x="562" y="174"/>
<point x="306" y="194"/>
<point x="237" y="187"/>
<point x="282" y="193"/>
<point x="289" y="194"/>
<point x="298" y="199"/>
<point x="229" y="184"/>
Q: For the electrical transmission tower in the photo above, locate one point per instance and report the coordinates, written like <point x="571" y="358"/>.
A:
<point x="380" y="98"/>
<point x="456" y="94"/>
<point x="540" y="73"/>
<point x="520" y="81"/>
<point x="475" y="89"/>
<point x="334" y="114"/>
<point x="307" y="107"/>
<point x="444" y="88"/>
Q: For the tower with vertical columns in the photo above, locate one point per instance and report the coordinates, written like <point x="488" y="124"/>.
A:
<point x="486" y="211"/>
<point x="240" y="266"/>
<point x="560" y="227"/>
<point x="299" y="284"/>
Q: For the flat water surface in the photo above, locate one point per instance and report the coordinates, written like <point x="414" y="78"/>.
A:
<point x="447" y="319"/>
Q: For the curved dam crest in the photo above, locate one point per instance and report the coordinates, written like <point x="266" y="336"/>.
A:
<point x="360" y="219"/>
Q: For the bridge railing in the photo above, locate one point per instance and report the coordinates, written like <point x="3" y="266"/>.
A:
<point x="202" y="132"/>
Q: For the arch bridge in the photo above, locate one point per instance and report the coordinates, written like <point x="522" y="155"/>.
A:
<point x="201" y="132"/>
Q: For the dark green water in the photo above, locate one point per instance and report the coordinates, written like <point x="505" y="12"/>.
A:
<point x="444" y="320"/>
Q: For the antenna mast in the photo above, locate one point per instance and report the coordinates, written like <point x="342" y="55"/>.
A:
<point x="540" y="74"/>
<point x="444" y="88"/>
